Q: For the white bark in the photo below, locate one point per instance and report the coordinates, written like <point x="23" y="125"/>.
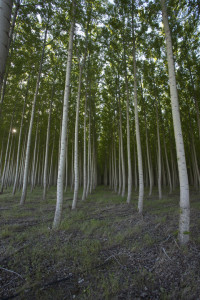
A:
<point x="159" y="154"/>
<point x="129" y="155"/>
<point x="89" y="158"/>
<point x="135" y="169"/>
<point x="34" y="161"/>
<point x="61" y="165"/>
<point x="119" y="167"/>
<point x="76" y="168"/>
<point x="137" y="128"/>
<point x="72" y="167"/>
<point x="92" y="159"/>
<point x="1" y="156"/>
<point x="19" y="141"/>
<point x="85" y="154"/>
<point x="4" y="78"/>
<point x="50" y="181"/>
<point x="28" y="147"/>
<point x="6" y="155"/>
<point x="66" y="164"/>
<point x="168" y="168"/>
<point x="47" y="147"/>
<point x="184" y="222"/>
<point x="7" y="166"/>
<point x="5" y="16"/>
<point x="128" y="136"/>
<point x="115" y="168"/>
<point x="148" y="160"/>
<point x="122" y="152"/>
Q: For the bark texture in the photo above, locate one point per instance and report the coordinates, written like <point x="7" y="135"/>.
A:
<point x="184" y="222"/>
<point x="5" y="15"/>
<point x="61" y="164"/>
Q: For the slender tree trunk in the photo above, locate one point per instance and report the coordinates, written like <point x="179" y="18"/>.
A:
<point x="50" y="181"/>
<point x="184" y="222"/>
<point x="168" y="168"/>
<point x="5" y="16"/>
<point x="195" y="101"/>
<point x="122" y="152"/>
<point x="34" y="157"/>
<point x="194" y="157"/>
<point x="89" y="157"/>
<point x="137" y="128"/>
<point x="119" y="167"/>
<point x="1" y="156"/>
<point x="135" y="169"/>
<point x="159" y="154"/>
<point x="92" y="166"/>
<point x="115" y="169"/>
<point x="76" y="172"/>
<point x="47" y="147"/>
<point x="61" y="166"/>
<point x="128" y="138"/>
<point x="28" y="147"/>
<point x="4" y="79"/>
<point x="72" y="168"/>
<point x="106" y="172"/>
<point x="66" y="164"/>
<point x="85" y="154"/>
<point x="12" y="165"/>
<point x="6" y="155"/>
<point x="19" y="141"/>
<point x="22" y="156"/>
<point x="148" y="161"/>
<point x="7" y="167"/>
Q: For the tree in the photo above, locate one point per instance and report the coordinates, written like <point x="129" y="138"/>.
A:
<point x="184" y="222"/>
<point x="28" y="147"/>
<point x="137" y="128"/>
<point x="61" y="166"/>
<point x="5" y="15"/>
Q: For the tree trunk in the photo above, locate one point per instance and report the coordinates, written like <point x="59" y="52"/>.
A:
<point x="5" y="16"/>
<point x="122" y="152"/>
<point x="50" y="181"/>
<point x="6" y="155"/>
<point x="128" y="136"/>
<point x="135" y="169"/>
<point x="19" y="140"/>
<point x="89" y="169"/>
<point x="195" y="100"/>
<point x="184" y="222"/>
<point x="76" y="169"/>
<point x="148" y="160"/>
<point x="61" y="166"/>
<point x="85" y="153"/>
<point x="168" y="168"/>
<point x="137" y="128"/>
<point x="47" y="147"/>
<point x="72" y="167"/>
<point x="34" y="157"/>
<point x="119" y="167"/>
<point x="28" y="147"/>
<point x="4" y="79"/>
<point x="159" y="154"/>
<point x="66" y="164"/>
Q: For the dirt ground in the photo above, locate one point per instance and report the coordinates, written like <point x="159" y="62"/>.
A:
<point x="103" y="249"/>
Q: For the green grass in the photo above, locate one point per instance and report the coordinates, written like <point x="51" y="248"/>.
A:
<point x="94" y="243"/>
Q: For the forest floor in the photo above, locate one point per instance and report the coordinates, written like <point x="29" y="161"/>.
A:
<point x="103" y="249"/>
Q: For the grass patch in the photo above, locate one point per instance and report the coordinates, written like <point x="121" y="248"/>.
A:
<point x="104" y="246"/>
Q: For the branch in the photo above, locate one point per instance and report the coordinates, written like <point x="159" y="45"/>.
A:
<point x="10" y="271"/>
